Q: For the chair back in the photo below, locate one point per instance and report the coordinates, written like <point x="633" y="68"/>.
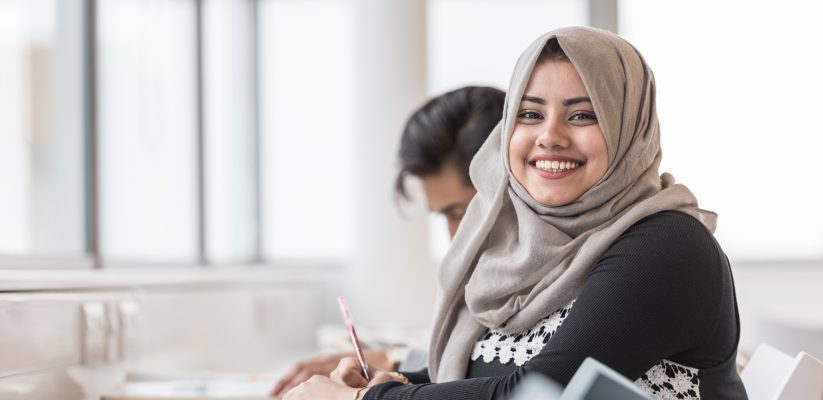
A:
<point x="774" y="375"/>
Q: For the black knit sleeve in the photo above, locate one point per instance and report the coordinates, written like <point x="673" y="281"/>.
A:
<point x="421" y="376"/>
<point x="653" y="295"/>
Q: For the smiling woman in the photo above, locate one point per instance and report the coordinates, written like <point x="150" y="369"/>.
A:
<point x="557" y="151"/>
<point x="574" y="246"/>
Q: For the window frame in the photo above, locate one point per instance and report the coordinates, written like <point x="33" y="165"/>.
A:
<point x="81" y="16"/>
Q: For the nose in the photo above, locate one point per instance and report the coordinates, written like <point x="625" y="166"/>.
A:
<point x="553" y="135"/>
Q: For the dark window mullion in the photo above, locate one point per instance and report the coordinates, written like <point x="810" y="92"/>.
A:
<point x="89" y="94"/>
<point x="257" y="188"/>
<point x="200" y="139"/>
<point x="603" y="14"/>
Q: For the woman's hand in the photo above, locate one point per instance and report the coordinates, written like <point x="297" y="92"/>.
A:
<point x="321" y="387"/>
<point x="342" y="384"/>
<point x="304" y="370"/>
<point x="324" y="365"/>
<point x="349" y="373"/>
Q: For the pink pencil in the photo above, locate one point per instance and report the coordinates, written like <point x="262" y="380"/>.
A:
<point x="344" y="309"/>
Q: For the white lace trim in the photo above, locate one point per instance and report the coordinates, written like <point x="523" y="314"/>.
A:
<point x="669" y="380"/>
<point x="519" y="347"/>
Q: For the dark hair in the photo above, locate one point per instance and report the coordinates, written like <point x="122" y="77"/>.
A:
<point x="448" y="129"/>
<point x="552" y="52"/>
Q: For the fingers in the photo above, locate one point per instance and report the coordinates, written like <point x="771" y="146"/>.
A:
<point x="349" y="373"/>
<point x="291" y="380"/>
<point x="298" y="391"/>
<point x="281" y="385"/>
<point x="304" y="370"/>
<point x="381" y="377"/>
<point x="319" y="387"/>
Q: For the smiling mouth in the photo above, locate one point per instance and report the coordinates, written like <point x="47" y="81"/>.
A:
<point x="556" y="166"/>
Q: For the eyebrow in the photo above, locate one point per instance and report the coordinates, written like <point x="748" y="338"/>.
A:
<point x="576" y="100"/>
<point x="566" y="102"/>
<point x="533" y="99"/>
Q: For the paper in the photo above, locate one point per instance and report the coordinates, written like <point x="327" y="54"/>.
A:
<point x="182" y="386"/>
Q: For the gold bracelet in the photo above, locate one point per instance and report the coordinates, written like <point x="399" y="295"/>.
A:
<point x="357" y="393"/>
<point x="400" y="378"/>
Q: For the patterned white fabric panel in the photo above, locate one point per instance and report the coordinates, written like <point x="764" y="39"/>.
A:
<point x="669" y="380"/>
<point x="666" y="380"/>
<point x="520" y="347"/>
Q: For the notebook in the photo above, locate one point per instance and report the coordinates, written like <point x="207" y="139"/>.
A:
<point x="592" y="381"/>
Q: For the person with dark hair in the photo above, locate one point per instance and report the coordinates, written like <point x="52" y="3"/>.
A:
<point x="574" y="246"/>
<point x="437" y="146"/>
<point x="439" y="142"/>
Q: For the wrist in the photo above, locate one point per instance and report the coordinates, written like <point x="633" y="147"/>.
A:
<point x="400" y="378"/>
<point x="360" y="393"/>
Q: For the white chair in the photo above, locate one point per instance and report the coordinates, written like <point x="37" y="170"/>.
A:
<point x="791" y="334"/>
<point x="774" y="375"/>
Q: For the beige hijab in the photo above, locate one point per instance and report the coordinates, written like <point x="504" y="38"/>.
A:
<point x="515" y="260"/>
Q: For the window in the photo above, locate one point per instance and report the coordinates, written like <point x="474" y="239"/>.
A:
<point x="147" y="129"/>
<point x="305" y="97"/>
<point x="230" y="132"/>
<point x="217" y="132"/>
<point x="41" y="130"/>
<point x="467" y="45"/>
<point x="735" y="81"/>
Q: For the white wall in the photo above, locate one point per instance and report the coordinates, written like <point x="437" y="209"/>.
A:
<point x="779" y="304"/>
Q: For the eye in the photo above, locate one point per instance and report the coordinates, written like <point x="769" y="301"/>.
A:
<point x="583" y="117"/>
<point x="529" y="115"/>
<point x="456" y="214"/>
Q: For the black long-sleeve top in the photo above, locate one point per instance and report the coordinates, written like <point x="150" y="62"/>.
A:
<point x="659" y="303"/>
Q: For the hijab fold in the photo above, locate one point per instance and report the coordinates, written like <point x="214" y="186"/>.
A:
<point x="514" y="260"/>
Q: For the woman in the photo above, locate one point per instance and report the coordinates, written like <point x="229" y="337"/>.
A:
<point x="438" y="143"/>
<point x="574" y="246"/>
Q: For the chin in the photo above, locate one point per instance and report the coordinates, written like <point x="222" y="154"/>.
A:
<point x="556" y="203"/>
<point x="554" y="198"/>
<point x="552" y="201"/>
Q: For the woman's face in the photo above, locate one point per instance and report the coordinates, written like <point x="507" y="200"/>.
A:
<point x="557" y="151"/>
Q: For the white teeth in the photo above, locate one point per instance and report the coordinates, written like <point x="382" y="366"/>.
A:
<point x="556" y="166"/>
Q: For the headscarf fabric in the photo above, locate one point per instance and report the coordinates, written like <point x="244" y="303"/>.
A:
<point x="514" y="260"/>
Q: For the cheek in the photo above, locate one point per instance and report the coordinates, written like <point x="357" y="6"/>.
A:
<point x="512" y="152"/>
<point x="518" y="149"/>
<point x="598" y="154"/>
